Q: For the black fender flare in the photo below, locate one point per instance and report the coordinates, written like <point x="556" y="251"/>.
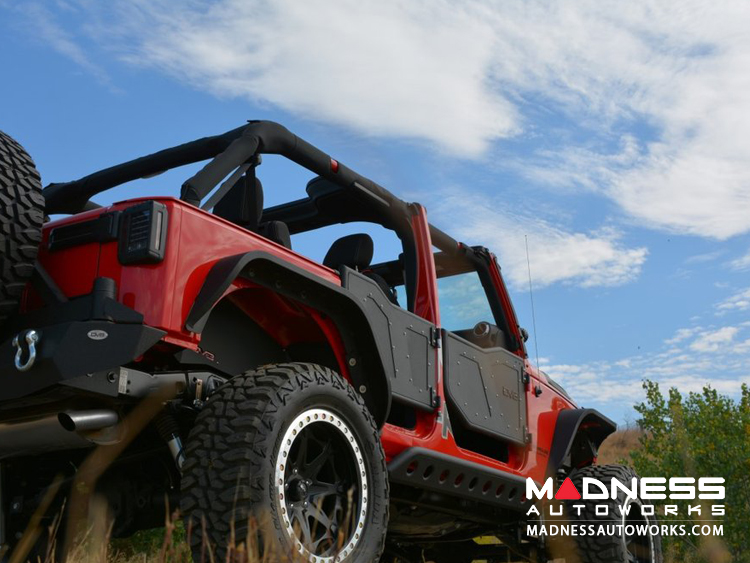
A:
<point x="367" y="353"/>
<point x="589" y="424"/>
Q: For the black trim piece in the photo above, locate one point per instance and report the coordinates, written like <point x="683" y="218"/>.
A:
<point x="427" y="469"/>
<point x="368" y="351"/>
<point x="596" y="428"/>
<point x="101" y="229"/>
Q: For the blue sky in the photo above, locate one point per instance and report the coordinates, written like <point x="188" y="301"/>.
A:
<point x="609" y="134"/>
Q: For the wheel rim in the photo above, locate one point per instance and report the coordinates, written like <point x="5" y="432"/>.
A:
<point x="639" y="547"/>
<point x="321" y="485"/>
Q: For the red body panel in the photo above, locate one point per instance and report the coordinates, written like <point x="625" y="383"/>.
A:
<point x="196" y="240"/>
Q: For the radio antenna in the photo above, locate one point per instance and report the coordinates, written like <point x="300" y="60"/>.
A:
<point x="531" y="295"/>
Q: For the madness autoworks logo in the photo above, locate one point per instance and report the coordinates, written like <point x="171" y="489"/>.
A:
<point x="620" y="496"/>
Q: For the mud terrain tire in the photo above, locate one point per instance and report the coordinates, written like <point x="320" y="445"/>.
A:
<point x="21" y="219"/>
<point x="252" y="477"/>
<point x="614" y="548"/>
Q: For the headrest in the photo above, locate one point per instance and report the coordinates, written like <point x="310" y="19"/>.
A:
<point x="277" y="232"/>
<point x="243" y="203"/>
<point x="354" y="251"/>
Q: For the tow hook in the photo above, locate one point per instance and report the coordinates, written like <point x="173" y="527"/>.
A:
<point x="25" y="344"/>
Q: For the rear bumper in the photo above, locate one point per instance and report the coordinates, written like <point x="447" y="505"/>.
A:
<point x="69" y="350"/>
<point x="74" y="338"/>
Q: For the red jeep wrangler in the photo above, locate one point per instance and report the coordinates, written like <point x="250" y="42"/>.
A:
<point x="322" y="412"/>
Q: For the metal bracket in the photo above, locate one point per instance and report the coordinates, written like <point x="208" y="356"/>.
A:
<point x="435" y="401"/>
<point x="435" y="340"/>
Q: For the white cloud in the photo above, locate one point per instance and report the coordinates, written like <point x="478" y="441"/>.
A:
<point x="713" y="341"/>
<point x="741" y="263"/>
<point x="672" y="69"/>
<point x="682" y="334"/>
<point x="597" y="258"/>
<point x="689" y="364"/>
<point x="415" y="70"/>
<point x="705" y="257"/>
<point x="657" y="88"/>
<point x="740" y="301"/>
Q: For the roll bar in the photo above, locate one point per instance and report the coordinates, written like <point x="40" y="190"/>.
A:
<point x="228" y="151"/>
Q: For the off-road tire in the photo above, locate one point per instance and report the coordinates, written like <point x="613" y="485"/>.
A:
<point x="21" y="219"/>
<point x="607" y="548"/>
<point x="229" y="479"/>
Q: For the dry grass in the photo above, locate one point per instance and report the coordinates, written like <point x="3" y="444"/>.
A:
<point x="169" y="545"/>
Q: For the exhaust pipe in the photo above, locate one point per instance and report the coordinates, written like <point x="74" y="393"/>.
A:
<point x="82" y="421"/>
<point x="63" y="431"/>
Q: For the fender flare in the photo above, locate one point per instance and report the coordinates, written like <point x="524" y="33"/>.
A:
<point x="367" y="352"/>
<point x="572" y="424"/>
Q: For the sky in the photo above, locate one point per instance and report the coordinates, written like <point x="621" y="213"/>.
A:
<point x="608" y="136"/>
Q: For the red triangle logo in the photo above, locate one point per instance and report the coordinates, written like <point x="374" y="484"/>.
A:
<point x="568" y="491"/>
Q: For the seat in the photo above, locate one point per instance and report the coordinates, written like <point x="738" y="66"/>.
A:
<point x="277" y="231"/>
<point x="243" y="203"/>
<point x="243" y="206"/>
<point x="353" y="251"/>
<point x="356" y="251"/>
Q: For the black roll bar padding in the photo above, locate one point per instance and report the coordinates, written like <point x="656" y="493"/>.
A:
<point x="271" y="138"/>
<point x="228" y="151"/>
<point x="235" y="155"/>
<point x="443" y="241"/>
<point x="71" y="197"/>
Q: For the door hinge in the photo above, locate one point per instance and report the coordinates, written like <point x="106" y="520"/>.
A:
<point x="435" y="340"/>
<point x="525" y="378"/>
<point x="434" y="399"/>
<point x="526" y="435"/>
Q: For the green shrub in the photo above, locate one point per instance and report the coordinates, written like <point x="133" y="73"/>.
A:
<point x="700" y="435"/>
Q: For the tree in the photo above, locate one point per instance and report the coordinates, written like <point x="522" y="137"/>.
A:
<point x="700" y="435"/>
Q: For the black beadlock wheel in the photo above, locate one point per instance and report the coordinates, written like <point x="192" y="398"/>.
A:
<point x="21" y="220"/>
<point x="639" y="540"/>
<point x="286" y="460"/>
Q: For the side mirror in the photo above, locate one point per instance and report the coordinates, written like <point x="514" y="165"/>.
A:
<point x="524" y="334"/>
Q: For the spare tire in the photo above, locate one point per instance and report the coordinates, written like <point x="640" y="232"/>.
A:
<point x="21" y="220"/>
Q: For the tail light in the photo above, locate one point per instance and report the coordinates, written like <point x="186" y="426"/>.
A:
<point x="143" y="233"/>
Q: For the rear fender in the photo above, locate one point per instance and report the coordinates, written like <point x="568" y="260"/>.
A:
<point x="578" y="435"/>
<point x="366" y="351"/>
